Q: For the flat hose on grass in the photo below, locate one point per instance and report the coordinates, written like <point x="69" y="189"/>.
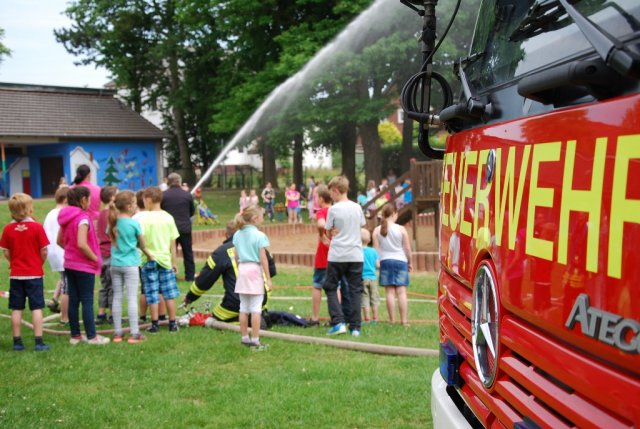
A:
<point x="341" y="344"/>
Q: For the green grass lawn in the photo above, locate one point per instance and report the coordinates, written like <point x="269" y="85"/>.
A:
<point x="200" y="378"/>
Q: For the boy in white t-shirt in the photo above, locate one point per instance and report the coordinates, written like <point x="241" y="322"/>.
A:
<point x="344" y="220"/>
<point x="60" y="301"/>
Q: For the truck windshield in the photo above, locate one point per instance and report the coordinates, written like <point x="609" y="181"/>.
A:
<point x="521" y="36"/>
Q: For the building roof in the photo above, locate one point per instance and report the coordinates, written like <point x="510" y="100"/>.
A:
<point x="64" y="113"/>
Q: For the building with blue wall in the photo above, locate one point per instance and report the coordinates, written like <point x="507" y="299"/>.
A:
<point x="46" y="132"/>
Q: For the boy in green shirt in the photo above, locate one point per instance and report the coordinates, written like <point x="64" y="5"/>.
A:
<point x="159" y="276"/>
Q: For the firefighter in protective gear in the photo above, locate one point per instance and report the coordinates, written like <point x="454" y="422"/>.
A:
<point x="222" y="262"/>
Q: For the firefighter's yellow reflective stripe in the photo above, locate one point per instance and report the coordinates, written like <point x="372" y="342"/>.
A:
<point x="266" y="301"/>
<point x="194" y="289"/>
<point x="232" y="255"/>
<point x="211" y="263"/>
<point x="222" y="313"/>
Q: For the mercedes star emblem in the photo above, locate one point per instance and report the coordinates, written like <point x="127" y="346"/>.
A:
<point x="484" y="325"/>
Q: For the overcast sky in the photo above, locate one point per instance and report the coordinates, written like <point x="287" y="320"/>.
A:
<point x="36" y="57"/>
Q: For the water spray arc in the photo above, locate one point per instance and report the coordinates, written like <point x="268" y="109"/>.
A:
<point x="353" y="35"/>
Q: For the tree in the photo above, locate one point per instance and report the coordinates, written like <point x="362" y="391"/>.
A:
<point x="111" y="177"/>
<point x="278" y="38"/>
<point x="4" y="51"/>
<point x="164" y="53"/>
<point x="389" y="134"/>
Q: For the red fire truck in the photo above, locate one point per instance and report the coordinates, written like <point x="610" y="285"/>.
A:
<point x="539" y="287"/>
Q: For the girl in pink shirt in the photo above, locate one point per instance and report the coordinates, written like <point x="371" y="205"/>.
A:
<point x="82" y="261"/>
<point x="293" y="202"/>
<point x="83" y="178"/>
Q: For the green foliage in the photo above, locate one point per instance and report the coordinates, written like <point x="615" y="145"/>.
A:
<point x="391" y="157"/>
<point x="4" y="51"/>
<point x="207" y="65"/>
<point x="389" y="134"/>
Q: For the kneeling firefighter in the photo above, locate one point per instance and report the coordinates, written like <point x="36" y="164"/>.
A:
<point x="222" y="262"/>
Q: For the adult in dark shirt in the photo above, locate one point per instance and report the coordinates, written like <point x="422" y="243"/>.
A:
<point x="179" y="204"/>
<point x="222" y="263"/>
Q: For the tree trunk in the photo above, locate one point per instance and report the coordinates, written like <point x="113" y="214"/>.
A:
<point x="372" y="151"/>
<point x="348" y="144"/>
<point x="406" y="153"/>
<point x="269" y="171"/>
<point x="298" y="141"/>
<point x="206" y="162"/>
<point x="186" y="169"/>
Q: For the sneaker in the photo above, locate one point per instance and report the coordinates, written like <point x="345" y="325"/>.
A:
<point x="42" y="347"/>
<point x="173" y="327"/>
<point x="102" y="320"/>
<point x="153" y="329"/>
<point x="312" y="322"/>
<point x="338" y="329"/>
<point x="77" y="340"/>
<point x="135" y="339"/>
<point x="99" y="340"/>
<point x="258" y="347"/>
<point x="118" y="338"/>
<point x="18" y="347"/>
<point x="355" y="333"/>
<point x="246" y="343"/>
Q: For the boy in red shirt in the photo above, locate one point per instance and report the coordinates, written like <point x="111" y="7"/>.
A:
<point x="320" y="263"/>
<point x="24" y="242"/>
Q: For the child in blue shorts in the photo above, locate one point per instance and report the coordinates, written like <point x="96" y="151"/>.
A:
<point x="24" y="243"/>
<point x="392" y="243"/>
<point x="159" y="276"/>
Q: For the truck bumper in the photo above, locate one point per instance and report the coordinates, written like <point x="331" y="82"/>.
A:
<point x="444" y="412"/>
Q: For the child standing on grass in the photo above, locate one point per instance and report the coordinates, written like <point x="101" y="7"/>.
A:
<point x="105" y="295"/>
<point x="344" y="220"/>
<point x="392" y="243"/>
<point x="320" y="261"/>
<point x="126" y="238"/>
<point x="253" y="269"/>
<point x="370" y="295"/>
<point x="24" y="243"/>
<point x="293" y="203"/>
<point x="81" y="263"/>
<point x="60" y="301"/>
<point x="159" y="274"/>
<point x="244" y="200"/>
<point x="140" y="212"/>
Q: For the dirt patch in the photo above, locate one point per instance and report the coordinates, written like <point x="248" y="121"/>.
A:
<point x="305" y="241"/>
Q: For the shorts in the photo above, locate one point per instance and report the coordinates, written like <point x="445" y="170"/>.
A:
<point x="157" y="279"/>
<point x="370" y="295"/>
<point x="319" y="274"/>
<point x="250" y="303"/>
<point x="21" y="289"/>
<point x="394" y="273"/>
